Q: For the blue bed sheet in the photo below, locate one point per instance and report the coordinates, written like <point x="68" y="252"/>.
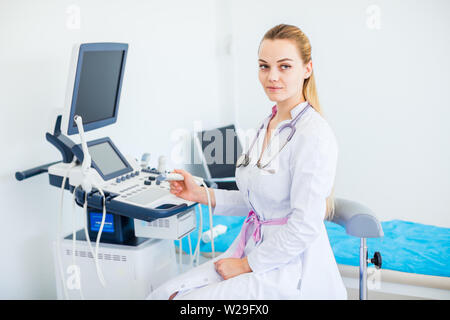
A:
<point x="406" y="246"/>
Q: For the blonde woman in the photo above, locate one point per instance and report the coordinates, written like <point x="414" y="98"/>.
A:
<point x="285" y="182"/>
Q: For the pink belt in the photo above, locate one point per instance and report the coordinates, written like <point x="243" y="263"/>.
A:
<point x="253" y="218"/>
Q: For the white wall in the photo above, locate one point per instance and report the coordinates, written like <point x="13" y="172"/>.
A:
<point x="170" y="75"/>
<point x="384" y="91"/>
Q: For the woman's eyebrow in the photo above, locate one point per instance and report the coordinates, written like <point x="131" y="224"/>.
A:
<point x="285" y="59"/>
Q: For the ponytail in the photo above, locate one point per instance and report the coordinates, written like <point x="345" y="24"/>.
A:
<point x="310" y="94"/>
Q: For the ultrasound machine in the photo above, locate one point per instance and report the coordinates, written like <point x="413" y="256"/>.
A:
<point x="129" y="210"/>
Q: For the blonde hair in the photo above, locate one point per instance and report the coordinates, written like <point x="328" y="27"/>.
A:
<point x="285" y="31"/>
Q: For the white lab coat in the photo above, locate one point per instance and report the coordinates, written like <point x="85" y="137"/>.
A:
<point x="291" y="261"/>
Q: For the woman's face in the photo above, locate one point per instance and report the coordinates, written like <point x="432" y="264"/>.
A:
<point x="281" y="70"/>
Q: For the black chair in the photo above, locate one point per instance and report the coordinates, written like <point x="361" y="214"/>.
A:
<point x="220" y="149"/>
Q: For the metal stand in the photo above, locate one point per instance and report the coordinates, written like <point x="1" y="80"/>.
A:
<point x="359" y="221"/>
<point x="363" y="270"/>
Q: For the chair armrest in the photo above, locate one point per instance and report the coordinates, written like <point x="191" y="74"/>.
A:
<point x="358" y="220"/>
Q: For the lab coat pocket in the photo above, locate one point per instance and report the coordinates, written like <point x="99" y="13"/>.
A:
<point x="294" y="269"/>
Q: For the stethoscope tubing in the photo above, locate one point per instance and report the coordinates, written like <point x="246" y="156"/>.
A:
<point x="291" y="125"/>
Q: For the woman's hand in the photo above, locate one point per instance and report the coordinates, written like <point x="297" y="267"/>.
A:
<point x="232" y="267"/>
<point x="186" y="189"/>
<point x="189" y="190"/>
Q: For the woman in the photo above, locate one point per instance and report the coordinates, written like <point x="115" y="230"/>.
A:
<point x="283" y="251"/>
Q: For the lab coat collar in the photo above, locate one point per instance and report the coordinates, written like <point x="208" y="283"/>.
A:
<point x="294" y="111"/>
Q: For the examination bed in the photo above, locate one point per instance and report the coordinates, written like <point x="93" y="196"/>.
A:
<point x="414" y="258"/>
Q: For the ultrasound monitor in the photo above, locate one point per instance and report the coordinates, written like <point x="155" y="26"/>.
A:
<point x="94" y="85"/>
<point x="106" y="158"/>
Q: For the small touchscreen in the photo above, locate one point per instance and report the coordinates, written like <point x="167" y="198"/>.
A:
<point x="106" y="158"/>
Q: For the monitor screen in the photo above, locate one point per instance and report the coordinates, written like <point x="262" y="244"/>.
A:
<point x="106" y="158"/>
<point x="97" y="70"/>
<point x="98" y="86"/>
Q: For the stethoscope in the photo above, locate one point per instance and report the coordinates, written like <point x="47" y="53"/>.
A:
<point x="244" y="159"/>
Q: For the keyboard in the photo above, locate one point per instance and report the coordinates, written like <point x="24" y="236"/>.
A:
<point x="148" y="196"/>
